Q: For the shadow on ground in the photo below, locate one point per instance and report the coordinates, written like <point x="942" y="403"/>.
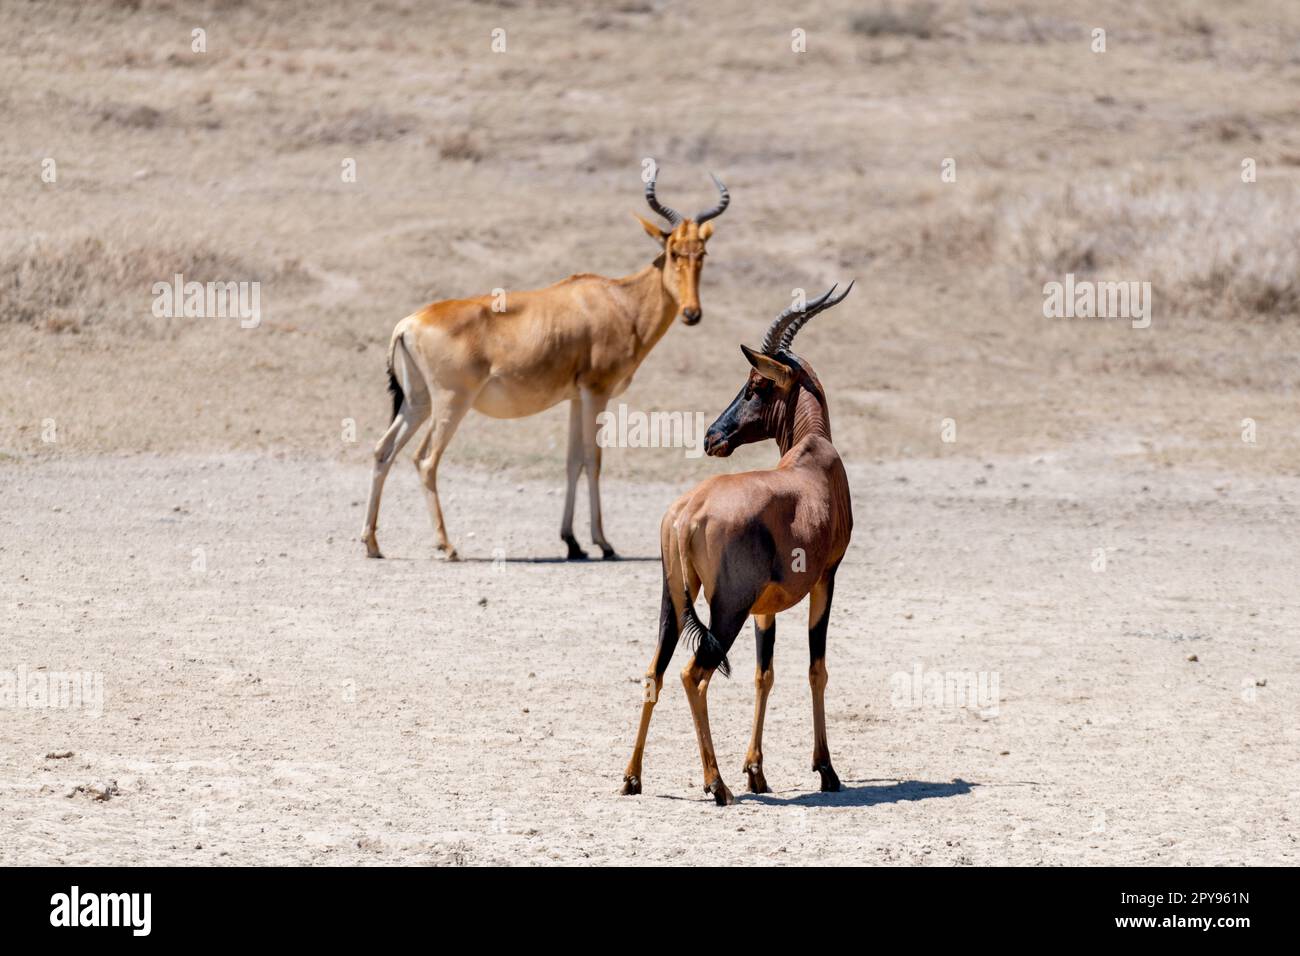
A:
<point x="869" y="794"/>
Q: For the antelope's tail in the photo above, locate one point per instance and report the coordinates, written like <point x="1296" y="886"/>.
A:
<point x="709" y="652"/>
<point x="394" y="386"/>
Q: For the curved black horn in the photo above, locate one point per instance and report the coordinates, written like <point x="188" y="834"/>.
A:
<point x="776" y="331"/>
<point x="668" y="212"/>
<point x="720" y="208"/>
<point x="802" y="319"/>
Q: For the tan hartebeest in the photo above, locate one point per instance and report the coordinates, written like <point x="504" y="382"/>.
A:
<point x="757" y="543"/>
<point x="580" y="339"/>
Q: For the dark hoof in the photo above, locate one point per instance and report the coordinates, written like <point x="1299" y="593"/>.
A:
<point x="757" y="782"/>
<point x="721" y="795"/>
<point x="607" y="553"/>
<point x="830" y="782"/>
<point x="575" y="552"/>
<point x="631" y="786"/>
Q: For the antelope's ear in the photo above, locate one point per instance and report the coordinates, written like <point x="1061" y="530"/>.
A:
<point x="706" y="231"/>
<point x="653" y="231"/>
<point x="768" y="367"/>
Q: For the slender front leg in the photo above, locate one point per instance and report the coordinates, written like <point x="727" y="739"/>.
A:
<point x="654" y="683"/>
<point x="819" y="614"/>
<point x="593" y="403"/>
<point x="764" y="676"/>
<point x="572" y="469"/>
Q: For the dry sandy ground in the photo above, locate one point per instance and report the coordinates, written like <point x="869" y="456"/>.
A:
<point x="294" y="702"/>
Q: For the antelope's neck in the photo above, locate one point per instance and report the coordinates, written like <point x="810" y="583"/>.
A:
<point x="806" y="416"/>
<point x="807" y="420"/>
<point x="655" y="308"/>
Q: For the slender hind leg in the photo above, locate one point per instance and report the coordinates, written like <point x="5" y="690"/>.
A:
<point x="764" y="676"/>
<point x="572" y="470"/>
<point x="449" y="407"/>
<point x="819" y="614"/>
<point x="669" y="614"/>
<point x="725" y="622"/>
<point x="409" y="418"/>
<point x="593" y="404"/>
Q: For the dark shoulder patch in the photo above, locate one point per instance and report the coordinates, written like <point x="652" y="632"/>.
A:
<point x="755" y="549"/>
<point x="767" y="546"/>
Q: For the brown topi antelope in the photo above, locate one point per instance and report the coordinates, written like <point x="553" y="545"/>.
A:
<point x="757" y="543"/>
<point x="580" y="339"/>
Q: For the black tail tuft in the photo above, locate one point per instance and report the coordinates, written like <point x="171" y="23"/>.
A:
<point x="395" y="389"/>
<point x="709" y="652"/>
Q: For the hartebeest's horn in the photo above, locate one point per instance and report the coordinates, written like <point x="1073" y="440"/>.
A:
<point x="802" y="318"/>
<point x="717" y="210"/>
<point x="776" y="331"/>
<point x="668" y="212"/>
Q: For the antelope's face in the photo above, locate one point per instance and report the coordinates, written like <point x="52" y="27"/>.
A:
<point x="752" y="414"/>
<point x="684" y="260"/>
<point x="684" y="249"/>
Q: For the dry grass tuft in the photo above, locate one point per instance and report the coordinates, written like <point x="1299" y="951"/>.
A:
<point x="1233" y="252"/>
<point x="460" y="146"/>
<point x="132" y="116"/>
<point x="81" y="283"/>
<point x="918" y="20"/>
<point x="929" y="20"/>
<point x="356" y="127"/>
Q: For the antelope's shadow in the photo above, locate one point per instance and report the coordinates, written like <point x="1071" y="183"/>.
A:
<point x="857" y="793"/>
<point x="865" y="793"/>
<point x="621" y="559"/>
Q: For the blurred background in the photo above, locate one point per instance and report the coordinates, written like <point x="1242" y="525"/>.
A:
<point x="479" y="169"/>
